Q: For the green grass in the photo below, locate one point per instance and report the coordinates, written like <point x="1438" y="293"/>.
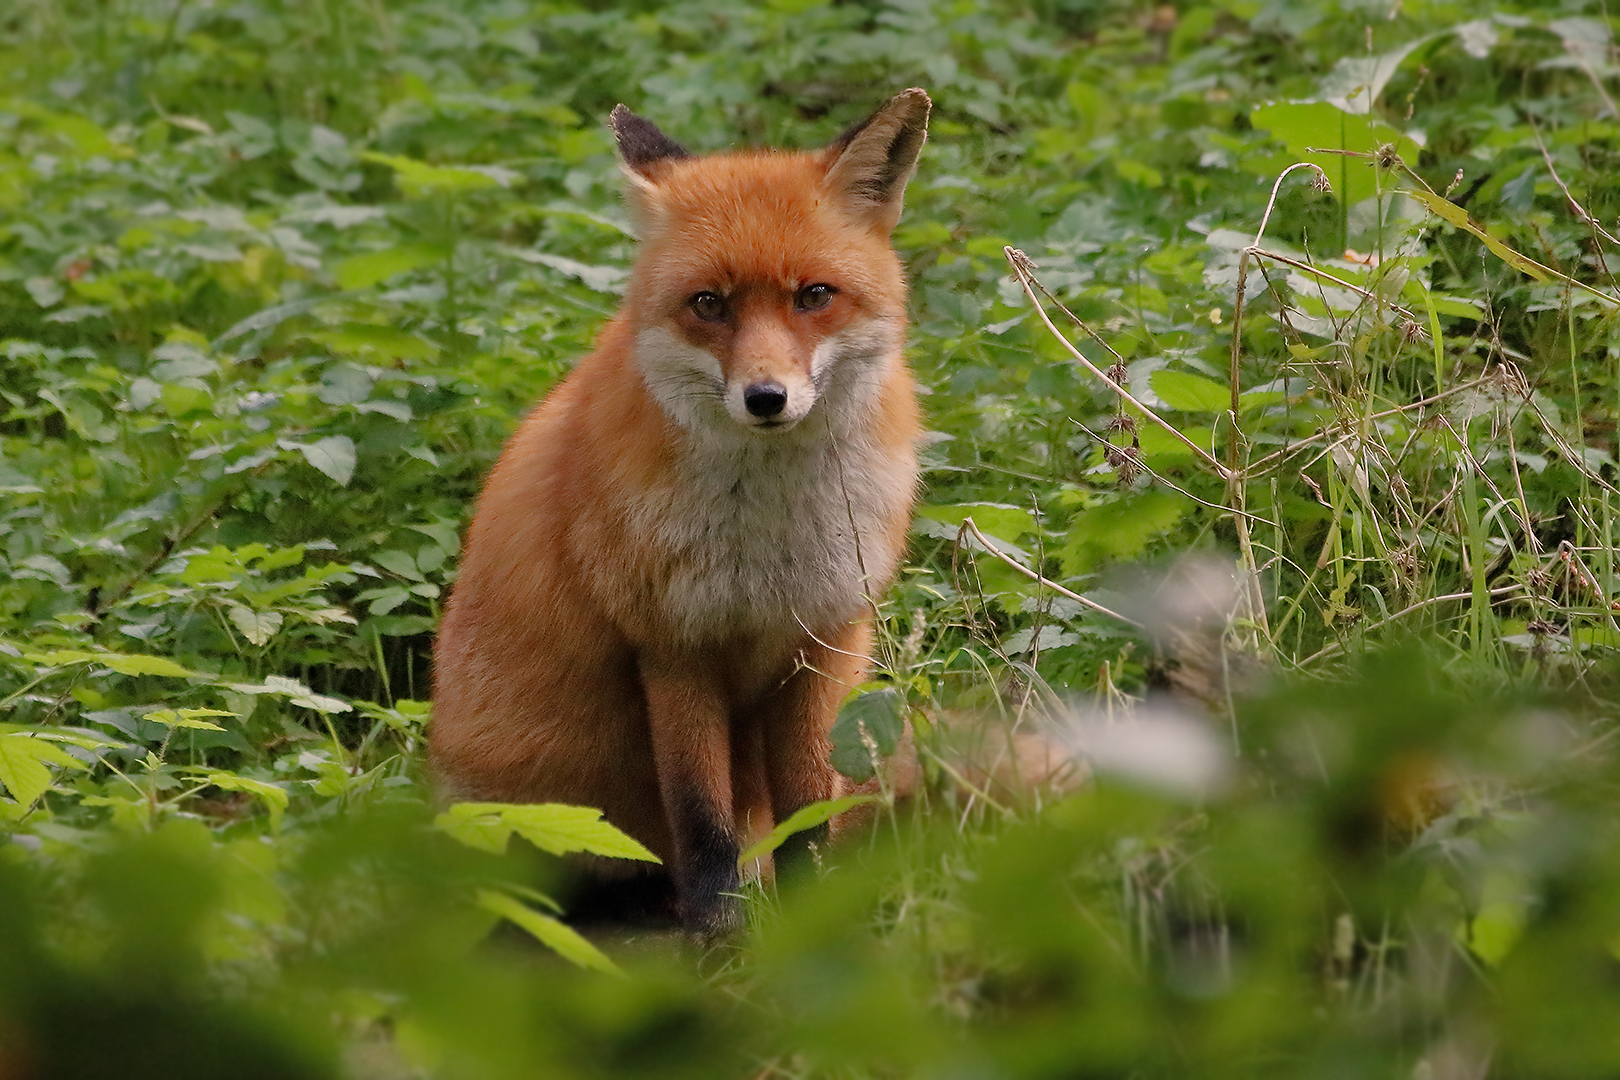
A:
<point x="277" y="279"/>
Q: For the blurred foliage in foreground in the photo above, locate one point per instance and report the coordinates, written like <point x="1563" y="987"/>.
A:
<point x="1397" y="876"/>
<point x="277" y="277"/>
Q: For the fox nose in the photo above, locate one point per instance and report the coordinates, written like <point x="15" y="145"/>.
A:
<point x="765" y="400"/>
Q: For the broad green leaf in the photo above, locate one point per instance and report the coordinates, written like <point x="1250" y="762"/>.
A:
<point x="1119" y="530"/>
<point x="481" y="832"/>
<point x="418" y="178"/>
<point x="273" y="796"/>
<point x="605" y="279"/>
<point x="550" y="932"/>
<point x="1356" y="82"/>
<point x="563" y="829"/>
<point x="257" y="626"/>
<point x="333" y="455"/>
<point x="294" y="691"/>
<point x="23" y="768"/>
<point x="1188" y="392"/>
<point x="806" y="817"/>
<point x="385" y="343"/>
<point x="880" y="715"/>
<point x="123" y="663"/>
<point x="83" y="738"/>
<point x="1000" y="520"/>
<point x="1259" y="399"/>
<point x="367" y="269"/>
<point x="1300" y="125"/>
<point x="129" y="814"/>
<point x="1159" y="446"/>
<point x="552" y="827"/>
<point x="186" y="718"/>
<point x="398" y="562"/>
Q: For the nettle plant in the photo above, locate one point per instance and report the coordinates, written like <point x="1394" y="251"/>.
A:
<point x="1353" y="421"/>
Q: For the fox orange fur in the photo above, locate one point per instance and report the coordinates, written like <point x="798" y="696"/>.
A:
<point x="665" y="591"/>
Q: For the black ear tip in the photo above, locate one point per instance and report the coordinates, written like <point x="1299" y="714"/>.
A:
<point x="640" y="141"/>
<point x="621" y="120"/>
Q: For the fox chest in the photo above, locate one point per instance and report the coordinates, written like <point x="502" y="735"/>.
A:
<point x="776" y="541"/>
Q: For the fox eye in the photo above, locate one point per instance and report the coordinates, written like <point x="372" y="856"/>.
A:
<point x="814" y="297"/>
<point x="709" y="306"/>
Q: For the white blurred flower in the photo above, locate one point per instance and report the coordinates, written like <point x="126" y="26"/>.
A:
<point x="1159" y="747"/>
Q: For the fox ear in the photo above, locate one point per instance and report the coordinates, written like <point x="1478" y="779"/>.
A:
<point x="870" y="163"/>
<point x="642" y="147"/>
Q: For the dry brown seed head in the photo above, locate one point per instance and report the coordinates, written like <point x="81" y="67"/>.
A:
<point x="1126" y="462"/>
<point x="1123" y="422"/>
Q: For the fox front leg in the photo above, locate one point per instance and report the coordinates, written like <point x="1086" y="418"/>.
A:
<point x="797" y="721"/>
<point x="691" y="740"/>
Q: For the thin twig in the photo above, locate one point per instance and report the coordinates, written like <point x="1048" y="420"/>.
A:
<point x="1337" y="646"/>
<point x="968" y="526"/>
<point x="1160" y="479"/>
<point x="1021" y="265"/>
<point x="1580" y="211"/>
<point x="1365" y="294"/>
<point x="1292" y="448"/>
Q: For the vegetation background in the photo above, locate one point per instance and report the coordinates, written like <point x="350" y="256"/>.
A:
<point x="277" y="277"/>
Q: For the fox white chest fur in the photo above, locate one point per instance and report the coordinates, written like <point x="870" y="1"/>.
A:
<point x="667" y="586"/>
<point x="774" y="533"/>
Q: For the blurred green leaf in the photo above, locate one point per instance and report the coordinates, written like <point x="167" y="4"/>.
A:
<point x="1188" y="392"/>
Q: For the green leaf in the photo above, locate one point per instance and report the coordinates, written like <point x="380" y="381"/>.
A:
<point x="123" y="663"/>
<point x="294" y="691"/>
<point x="186" y="718"/>
<point x="367" y="269"/>
<point x="273" y="796"/>
<point x="555" y="935"/>
<point x="81" y="737"/>
<point x="1455" y="214"/>
<point x="552" y="827"/>
<point x="605" y="279"/>
<point x="333" y="455"/>
<point x="418" y="178"/>
<point x="398" y="562"/>
<point x="385" y="343"/>
<point x="257" y="626"/>
<point x="23" y="768"/>
<point x="1118" y="530"/>
<point x="1356" y="82"/>
<point x="1302" y="125"/>
<point x="1188" y="392"/>
<point x="878" y="714"/>
<point x="481" y="832"/>
<point x="806" y="817"/>
<point x="999" y="520"/>
<point x="1160" y="447"/>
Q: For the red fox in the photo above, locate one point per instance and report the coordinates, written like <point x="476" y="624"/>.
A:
<point x="665" y="591"/>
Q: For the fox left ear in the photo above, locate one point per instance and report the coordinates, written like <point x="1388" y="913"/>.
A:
<point x="870" y="163"/>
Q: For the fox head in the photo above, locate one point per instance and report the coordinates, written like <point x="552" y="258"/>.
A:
<point x="766" y="281"/>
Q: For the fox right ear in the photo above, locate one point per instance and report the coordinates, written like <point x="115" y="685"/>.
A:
<point x="642" y="147"/>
